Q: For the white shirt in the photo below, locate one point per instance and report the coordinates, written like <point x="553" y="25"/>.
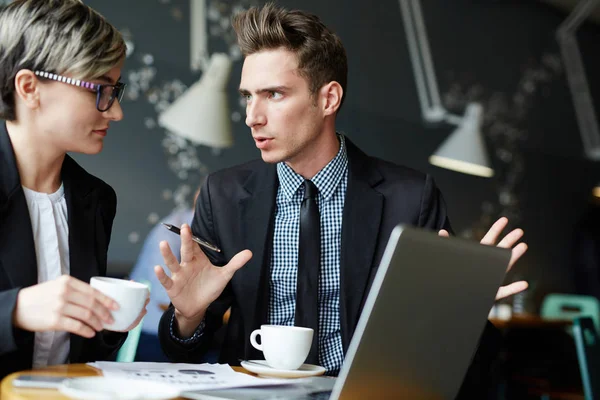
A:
<point x="49" y="223"/>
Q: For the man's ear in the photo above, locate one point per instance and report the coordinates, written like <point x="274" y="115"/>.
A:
<point x="332" y="94"/>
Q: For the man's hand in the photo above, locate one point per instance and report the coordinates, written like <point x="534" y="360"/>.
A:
<point x="194" y="283"/>
<point x="508" y="242"/>
<point x="63" y="304"/>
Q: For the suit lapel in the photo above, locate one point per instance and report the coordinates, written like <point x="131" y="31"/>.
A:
<point x="257" y="210"/>
<point x="17" y="248"/>
<point x="81" y="202"/>
<point x="363" y="210"/>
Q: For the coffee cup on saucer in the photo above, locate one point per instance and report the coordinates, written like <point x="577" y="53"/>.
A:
<point x="284" y="347"/>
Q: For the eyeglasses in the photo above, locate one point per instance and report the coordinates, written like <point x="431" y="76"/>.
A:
<point x="105" y="94"/>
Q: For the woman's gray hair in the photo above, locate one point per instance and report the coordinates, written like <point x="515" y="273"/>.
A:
<point x="64" y="37"/>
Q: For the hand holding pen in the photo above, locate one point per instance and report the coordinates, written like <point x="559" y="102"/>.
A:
<point x="194" y="282"/>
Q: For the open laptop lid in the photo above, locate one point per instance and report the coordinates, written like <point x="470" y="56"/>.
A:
<point x="419" y="328"/>
<point x="423" y="317"/>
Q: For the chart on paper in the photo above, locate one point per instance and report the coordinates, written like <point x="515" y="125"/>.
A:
<point x="184" y="376"/>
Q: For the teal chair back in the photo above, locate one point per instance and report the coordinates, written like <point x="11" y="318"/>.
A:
<point x="571" y="306"/>
<point x="587" y="343"/>
<point x="129" y="348"/>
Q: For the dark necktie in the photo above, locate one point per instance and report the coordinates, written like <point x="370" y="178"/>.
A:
<point x="309" y="262"/>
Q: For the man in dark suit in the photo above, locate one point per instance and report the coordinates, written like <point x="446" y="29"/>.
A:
<point x="293" y="80"/>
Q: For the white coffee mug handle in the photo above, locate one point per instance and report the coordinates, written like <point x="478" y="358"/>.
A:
<point x="253" y="339"/>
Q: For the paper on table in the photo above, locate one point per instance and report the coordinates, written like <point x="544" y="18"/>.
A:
<point x="184" y="376"/>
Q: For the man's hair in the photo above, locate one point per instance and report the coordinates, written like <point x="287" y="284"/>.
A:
<point x="64" y="37"/>
<point x="320" y="52"/>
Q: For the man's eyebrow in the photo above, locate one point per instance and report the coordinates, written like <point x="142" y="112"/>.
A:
<point x="279" y="88"/>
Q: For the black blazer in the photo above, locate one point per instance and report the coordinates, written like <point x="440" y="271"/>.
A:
<point x="235" y="211"/>
<point x="91" y="206"/>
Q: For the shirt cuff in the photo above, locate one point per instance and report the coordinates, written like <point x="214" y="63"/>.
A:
<point x="195" y="338"/>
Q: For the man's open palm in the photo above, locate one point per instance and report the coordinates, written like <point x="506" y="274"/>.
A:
<point x="195" y="283"/>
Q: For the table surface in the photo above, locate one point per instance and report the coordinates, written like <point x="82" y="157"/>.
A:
<point x="8" y="392"/>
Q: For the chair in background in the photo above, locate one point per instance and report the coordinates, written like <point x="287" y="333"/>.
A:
<point x="587" y="343"/>
<point x="129" y="348"/>
<point x="571" y="306"/>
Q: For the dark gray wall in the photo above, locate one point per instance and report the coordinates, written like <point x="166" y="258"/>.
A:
<point x="483" y="50"/>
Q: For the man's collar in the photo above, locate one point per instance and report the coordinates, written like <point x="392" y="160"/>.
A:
<point x="326" y="180"/>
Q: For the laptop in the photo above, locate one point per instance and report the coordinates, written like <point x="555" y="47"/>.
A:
<point x="419" y="328"/>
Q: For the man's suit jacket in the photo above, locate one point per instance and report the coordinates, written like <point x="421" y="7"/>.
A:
<point x="91" y="206"/>
<point x="235" y="211"/>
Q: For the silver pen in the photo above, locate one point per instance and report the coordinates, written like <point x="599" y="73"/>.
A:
<point x="201" y="242"/>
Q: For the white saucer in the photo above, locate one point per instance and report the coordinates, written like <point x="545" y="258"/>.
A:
<point x="261" y="368"/>
<point x="101" y="388"/>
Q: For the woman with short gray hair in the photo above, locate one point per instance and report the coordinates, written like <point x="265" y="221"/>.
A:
<point x="60" y="89"/>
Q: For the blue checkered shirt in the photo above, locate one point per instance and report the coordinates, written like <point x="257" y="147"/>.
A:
<point x="331" y="182"/>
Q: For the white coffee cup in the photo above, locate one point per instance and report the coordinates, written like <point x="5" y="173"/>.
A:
<point x="284" y="347"/>
<point x="130" y="296"/>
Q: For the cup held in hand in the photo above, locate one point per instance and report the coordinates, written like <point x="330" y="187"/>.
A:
<point x="130" y="296"/>
<point x="284" y="347"/>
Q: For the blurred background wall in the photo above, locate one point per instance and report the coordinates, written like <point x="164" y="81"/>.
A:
<point x="503" y="54"/>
